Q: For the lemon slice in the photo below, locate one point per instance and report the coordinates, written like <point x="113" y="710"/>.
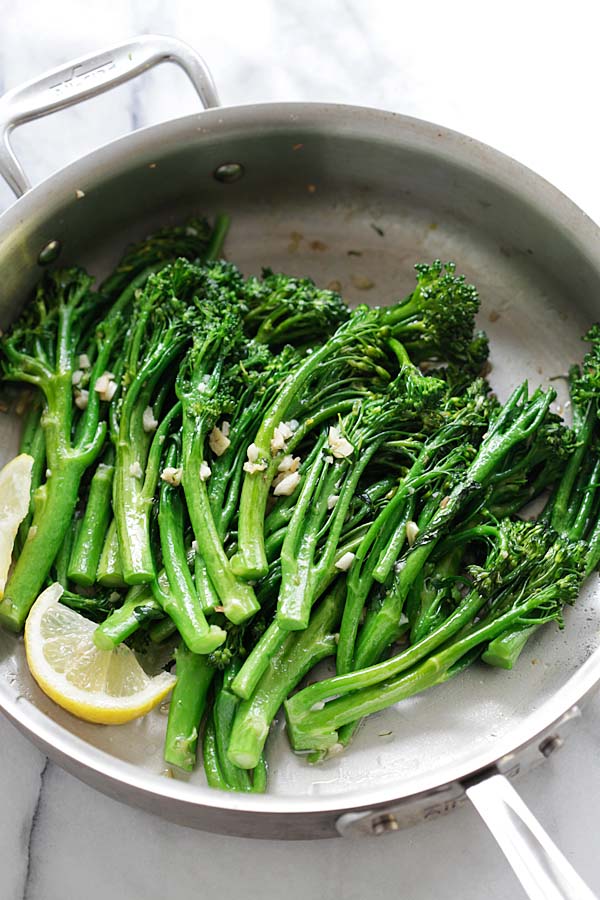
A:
<point x="106" y="686"/>
<point x="15" y="490"/>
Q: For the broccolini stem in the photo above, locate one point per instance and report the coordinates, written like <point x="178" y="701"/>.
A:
<point x="207" y="595"/>
<point x="250" y="561"/>
<point x="274" y="543"/>
<point x="181" y="602"/>
<point x="134" y="498"/>
<point x="224" y="710"/>
<point x="237" y="598"/>
<point x="340" y="685"/>
<point x="360" y="576"/>
<point x="194" y="677"/>
<point x="380" y="627"/>
<point x="85" y="554"/>
<point x="314" y="570"/>
<point x="217" y="238"/>
<point x="593" y="553"/>
<point x="505" y="649"/>
<point x="317" y="729"/>
<point x="259" y="659"/>
<point x="259" y="781"/>
<point x="138" y="464"/>
<point x="271" y="640"/>
<point x="517" y="420"/>
<point x="300" y="652"/>
<point x="31" y="420"/>
<point x="42" y="545"/>
<point x="297" y="553"/>
<point x="212" y="768"/>
<point x="162" y="630"/>
<point x="585" y="503"/>
<point x="132" y="519"/>
<point x="61" y="563"/>
<point x="110" y="568"/>
<point x="33" y="442"/>
<point x="139" y="606"/>
<point x="427" y="612"/>
<point x="559" y="520"/>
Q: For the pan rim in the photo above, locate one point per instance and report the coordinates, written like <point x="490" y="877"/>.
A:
<point x="352" y="121"/>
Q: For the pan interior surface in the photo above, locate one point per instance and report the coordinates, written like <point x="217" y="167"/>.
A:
<point x="329" y="210"/>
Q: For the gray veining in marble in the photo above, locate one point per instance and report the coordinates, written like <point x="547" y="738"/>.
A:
<point x="520" y="76"/>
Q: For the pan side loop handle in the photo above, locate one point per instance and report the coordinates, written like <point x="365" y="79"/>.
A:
<point x="537" y="862"/>
<point x="87" y="77"/>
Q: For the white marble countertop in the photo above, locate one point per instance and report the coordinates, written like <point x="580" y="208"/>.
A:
<point x="523" y="78"/>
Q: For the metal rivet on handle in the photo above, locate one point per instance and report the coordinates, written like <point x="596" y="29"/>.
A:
<point x="550" y="744"/>
<point x="49" y="253"/>
<point x="229" y="172"/>
<point x="385" y="823"/>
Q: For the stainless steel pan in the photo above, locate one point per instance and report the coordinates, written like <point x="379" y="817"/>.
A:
<point x="305" y="185"/>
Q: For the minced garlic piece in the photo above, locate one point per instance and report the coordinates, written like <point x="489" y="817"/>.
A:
<point x="345" y="561"/>
<point x="76" y="377"/>
<point x="84" y="361"/>
<point x="340" y="446"/>
<point x="205" y="471"/>
<point x="282" y="433"/>
<point x="135" y="469"/>
<point x="277" y="442"/>
<point x="332" y="500"/>
<point x="149" y="423"/>
<point x="287" y="485"/>
<point x="225" y="427"/>
<point x="106" y="386"/>
<point x="252" y="467"/>
<point x="218" y="441"/>
<point x="412" y="530"/>
<point x="172" y="475"/>
<point x="110" y="391"/>
<point x="289" y="463"/>
<point x="335" y="749"/>
<point x="252" y="453"/>
<point x="81" y="399"/>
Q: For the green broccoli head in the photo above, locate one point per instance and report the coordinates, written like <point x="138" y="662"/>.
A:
<point x="514" y="555"/>
<point x="416" y="396"/>
<point x="283" y="308"/>
<point x="584" y="383"/>
<point x="52" y="329"/>
<point x="436" y="322"/>
<point x="530" y="565"/>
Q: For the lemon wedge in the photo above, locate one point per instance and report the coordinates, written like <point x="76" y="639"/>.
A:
<point x="105" y="686"/>
<point x="15" y="490"/>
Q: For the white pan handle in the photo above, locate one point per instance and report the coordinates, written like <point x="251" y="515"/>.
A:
<point x="537" y="862"/>
<point x="87" y="77"/>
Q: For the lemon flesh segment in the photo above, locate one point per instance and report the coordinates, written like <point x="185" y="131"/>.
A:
<point x="105" y="686"/>
<point x="15" y="491"/>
